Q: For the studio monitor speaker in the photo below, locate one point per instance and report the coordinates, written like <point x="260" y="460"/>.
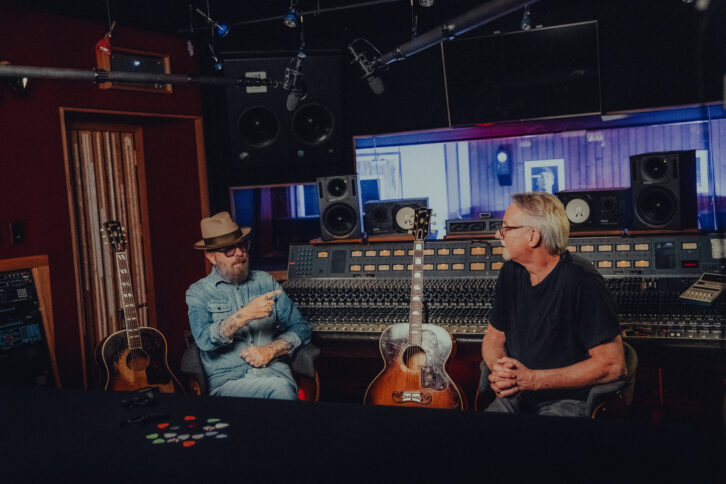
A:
<point x="391" y="216"/>
<point x="597" y="209"/>
<point x="269" y="143"/>
<point x="339" y="207"/>
<point x="664" y="190"/>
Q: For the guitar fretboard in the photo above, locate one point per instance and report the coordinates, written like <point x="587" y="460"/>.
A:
<point x="127" y="301"/>
<point x="415" y="318"/>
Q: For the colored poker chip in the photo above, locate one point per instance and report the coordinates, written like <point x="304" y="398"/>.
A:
<point x="169" y="435"/>
<point x="208" y="428"/>
<point x="190" y="417"/>
<point x="222" y="425"/>
<point x="183" y="436"/>
<point x="159" y="441"/>
<point x="213" y="420"/>
<point x="198" y="436"/>
<point x="163" y="425"/>
<point x="221" y="436"/>
<point x="172" y="441"/>
<point x="152" y="436"/>
<point x="209" y="434"/>
<point x="188" y="443"/>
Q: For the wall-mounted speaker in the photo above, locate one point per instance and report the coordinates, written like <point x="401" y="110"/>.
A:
<point x="472" y="226"/>
<point x="339" y="206"/>
<point x="391" y="216"/>
<point x="664" y="190"/>
<point x="269" y="143"/>
<point x="597" y="209"/>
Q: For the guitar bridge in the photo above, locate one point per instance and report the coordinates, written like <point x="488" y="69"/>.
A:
<point x="412" y="397"/>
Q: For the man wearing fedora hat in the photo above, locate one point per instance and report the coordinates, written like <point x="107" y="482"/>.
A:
<point x="242" y="320"/>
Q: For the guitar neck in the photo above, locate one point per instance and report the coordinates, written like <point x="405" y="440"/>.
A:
<point x="415" y="316"/>
<point x="127" y="301"/>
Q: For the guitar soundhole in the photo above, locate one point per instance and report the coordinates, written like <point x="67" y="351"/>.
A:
<point x="137" y="360"/>
<point x="414" y="358"/>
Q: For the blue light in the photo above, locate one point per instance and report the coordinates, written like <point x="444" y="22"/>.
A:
<point x="291" y="18"/>
<point x="222" y="29"/>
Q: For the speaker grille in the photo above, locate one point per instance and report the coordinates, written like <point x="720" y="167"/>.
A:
<point x="313" y="124"/>
<point x="656" y="206"/>
<point x="258" y="127"/>
<point x="340" y="219"/>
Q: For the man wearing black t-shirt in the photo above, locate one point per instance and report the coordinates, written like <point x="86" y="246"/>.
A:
<point x="554" y="330"/>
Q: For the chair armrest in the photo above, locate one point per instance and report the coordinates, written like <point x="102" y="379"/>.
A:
<point x="484" y="378"/>
<point x="191" y="366"/>
<point x="599" y="393"/>
<point x="303" y="360"/>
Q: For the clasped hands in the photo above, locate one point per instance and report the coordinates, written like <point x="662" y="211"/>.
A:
<point x="509" y="377"/>
<point x="257" y="356"/>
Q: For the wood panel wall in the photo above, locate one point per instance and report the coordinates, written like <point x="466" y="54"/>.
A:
<point x="595" y="159"/>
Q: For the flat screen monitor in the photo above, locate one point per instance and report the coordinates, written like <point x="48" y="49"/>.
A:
<point x="543" y="72"/>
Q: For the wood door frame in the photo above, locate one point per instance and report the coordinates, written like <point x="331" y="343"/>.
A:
<point x="123" y="120"/>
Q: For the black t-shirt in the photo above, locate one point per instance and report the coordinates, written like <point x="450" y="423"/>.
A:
<point x="556" y="322"/>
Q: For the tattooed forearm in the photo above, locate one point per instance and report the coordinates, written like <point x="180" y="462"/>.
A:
<point x="279" y="347"/>
<point x="228" y="326"/>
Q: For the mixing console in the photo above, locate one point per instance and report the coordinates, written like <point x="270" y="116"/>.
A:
<point x="362" y="288"/>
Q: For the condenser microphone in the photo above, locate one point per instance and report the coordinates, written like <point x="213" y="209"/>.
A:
<point x="293" y="83"/>
<point x="369" y="70"/>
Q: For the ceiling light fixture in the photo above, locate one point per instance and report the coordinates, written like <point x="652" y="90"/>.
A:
<point x="221" y="29"/>
<point x="292" y="17"/>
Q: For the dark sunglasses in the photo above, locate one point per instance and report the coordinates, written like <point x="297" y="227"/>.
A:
<point x="229" y="251"/>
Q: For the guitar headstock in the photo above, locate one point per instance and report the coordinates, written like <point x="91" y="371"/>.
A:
<point x="421" y="223"/>
<point x="115" y="234"/>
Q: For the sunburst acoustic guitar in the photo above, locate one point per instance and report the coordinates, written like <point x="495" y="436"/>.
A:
<point x="415" y="355"/>
<point x="133" y="358"/>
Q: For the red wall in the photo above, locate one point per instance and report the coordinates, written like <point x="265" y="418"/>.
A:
<point x="32" y="170"/>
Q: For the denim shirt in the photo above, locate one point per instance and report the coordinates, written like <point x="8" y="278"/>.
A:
<point x="211" y="300"/>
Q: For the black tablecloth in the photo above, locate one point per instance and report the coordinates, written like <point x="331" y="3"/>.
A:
<point x="51" y="435"/>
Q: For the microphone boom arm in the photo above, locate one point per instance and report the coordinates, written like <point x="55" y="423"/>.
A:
<point x="101" y="75"/>
<point x="465" y="22"/>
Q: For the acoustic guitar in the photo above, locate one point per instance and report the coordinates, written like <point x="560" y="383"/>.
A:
<point x="133" y="358"/>
<point x="415" y="355"/>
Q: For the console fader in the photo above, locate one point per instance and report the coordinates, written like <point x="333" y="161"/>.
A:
<point x="353" y="288"/>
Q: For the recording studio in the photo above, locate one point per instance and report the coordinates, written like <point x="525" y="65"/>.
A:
<point x="372" y="148"/>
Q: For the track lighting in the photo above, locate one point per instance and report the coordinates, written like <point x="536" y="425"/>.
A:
<point x="526" y="23"/>
<point x="218" y="63"/>
<point x="221" y="29"/>
<point x="292" y="17"/>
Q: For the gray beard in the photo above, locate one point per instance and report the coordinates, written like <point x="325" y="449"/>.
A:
<point x="235" y="276"/>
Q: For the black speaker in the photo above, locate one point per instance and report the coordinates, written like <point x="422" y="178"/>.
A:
<point x="339" y="207"/>
<point x="664" y="190"/>
<point x="597" y="209"/>
<point x="472" y="226"/>
<point x="268" y="143"/>
<point x="390" y="216"/>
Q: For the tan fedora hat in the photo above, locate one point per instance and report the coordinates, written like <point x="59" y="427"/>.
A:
<point x="220" y="231"/>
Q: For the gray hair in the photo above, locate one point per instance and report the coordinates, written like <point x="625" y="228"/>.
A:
<point x="546" y="213"/>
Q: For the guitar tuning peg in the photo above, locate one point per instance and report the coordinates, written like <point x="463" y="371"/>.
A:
<point x="410" y="231"/>
<point x="433" y="214"/>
